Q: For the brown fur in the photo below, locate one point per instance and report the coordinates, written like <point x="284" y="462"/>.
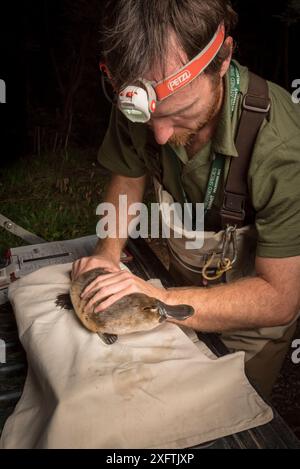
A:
<point x="132" y="313"/>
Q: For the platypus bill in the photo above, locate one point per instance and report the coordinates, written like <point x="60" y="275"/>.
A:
<point x="132" y="313"/>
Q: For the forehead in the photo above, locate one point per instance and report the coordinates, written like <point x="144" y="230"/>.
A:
<point x="175" y="59"/>
<point x="183" y="99"/>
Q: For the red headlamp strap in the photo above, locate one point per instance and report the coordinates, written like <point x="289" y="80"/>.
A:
<point x="191" y="70"/>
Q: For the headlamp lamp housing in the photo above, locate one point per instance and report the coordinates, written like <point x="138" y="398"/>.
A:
<point x="137" y="102"/>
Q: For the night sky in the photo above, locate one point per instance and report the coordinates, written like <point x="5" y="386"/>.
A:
<point x="49" y="46"/>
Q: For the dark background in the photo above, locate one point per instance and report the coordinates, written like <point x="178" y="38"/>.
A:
<point x="49" y="61"/>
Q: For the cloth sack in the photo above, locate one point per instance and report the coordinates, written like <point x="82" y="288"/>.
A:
<point x="154" y="389"/>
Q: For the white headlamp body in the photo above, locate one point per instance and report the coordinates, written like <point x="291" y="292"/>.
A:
<point x="137" y="103"/>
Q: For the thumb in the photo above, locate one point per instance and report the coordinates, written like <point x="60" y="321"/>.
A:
<point x="75" y="269"/>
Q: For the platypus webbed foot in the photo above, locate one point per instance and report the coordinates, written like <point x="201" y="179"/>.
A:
<point x="179" y="312"/>
<point x="108" y="339"/>
<point x="64" y="301"/>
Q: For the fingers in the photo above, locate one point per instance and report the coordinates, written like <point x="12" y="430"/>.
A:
<point x="104" y="280"/>
<point x="111" y="300"/>
<point x="75" y="269"/>
<point x="107" y="285"/>
<point x="89" y="263"/>
<point x="104" y="294"/>
<point x="109" y="288"/>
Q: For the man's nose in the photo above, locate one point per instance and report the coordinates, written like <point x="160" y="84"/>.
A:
<point x="162" y="132"/>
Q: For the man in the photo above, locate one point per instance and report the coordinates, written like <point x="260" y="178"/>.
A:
<point x="152" y="40"/>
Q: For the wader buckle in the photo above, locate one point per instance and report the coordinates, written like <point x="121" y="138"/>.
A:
<point x="226" y="263"/>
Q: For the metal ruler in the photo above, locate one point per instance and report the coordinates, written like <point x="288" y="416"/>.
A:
<point x="17" y="230"/>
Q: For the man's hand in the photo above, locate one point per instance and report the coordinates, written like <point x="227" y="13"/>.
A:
<point x="93" y="262"/>
<point x="112" y="287"/>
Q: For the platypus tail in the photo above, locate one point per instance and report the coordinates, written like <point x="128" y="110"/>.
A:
<point x="178" y="312"/>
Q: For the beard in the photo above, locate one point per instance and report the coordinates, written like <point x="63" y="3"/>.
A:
<point x="185" y="138"/>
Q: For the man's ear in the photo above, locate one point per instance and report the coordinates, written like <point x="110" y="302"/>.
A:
<point x="225" y="65"/>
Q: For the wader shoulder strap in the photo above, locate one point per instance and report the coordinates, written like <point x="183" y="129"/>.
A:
<point x="256" y="106"/>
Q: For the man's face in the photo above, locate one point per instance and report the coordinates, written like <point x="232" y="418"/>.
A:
<point x="182" y="115"/>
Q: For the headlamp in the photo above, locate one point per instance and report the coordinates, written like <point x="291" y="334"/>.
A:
<point x="137" y="102"/>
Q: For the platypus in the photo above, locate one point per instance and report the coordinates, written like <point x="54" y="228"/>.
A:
<point x="132" y="313"/>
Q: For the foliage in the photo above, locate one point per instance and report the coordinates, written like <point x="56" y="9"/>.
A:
<point x="53" y="196"/>
<point x="65" y="45"/>
<point x="291" y="14"/>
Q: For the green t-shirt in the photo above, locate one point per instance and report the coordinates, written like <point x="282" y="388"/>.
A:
<point x="129" y="149"/>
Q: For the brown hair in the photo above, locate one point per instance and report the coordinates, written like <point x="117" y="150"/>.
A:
<point x="135" y="33"/>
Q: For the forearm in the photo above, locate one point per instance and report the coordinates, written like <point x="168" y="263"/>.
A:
<point x="245" y="304"/>
<point x="110" y="248"/>
<point x="133" y="188"/>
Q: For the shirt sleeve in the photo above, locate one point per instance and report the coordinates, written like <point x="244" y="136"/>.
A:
<point x="117" y="152"/>
<point x="276" y="191"/>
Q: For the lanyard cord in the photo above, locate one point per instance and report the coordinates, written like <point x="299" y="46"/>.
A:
<point x="218" y="160"/>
